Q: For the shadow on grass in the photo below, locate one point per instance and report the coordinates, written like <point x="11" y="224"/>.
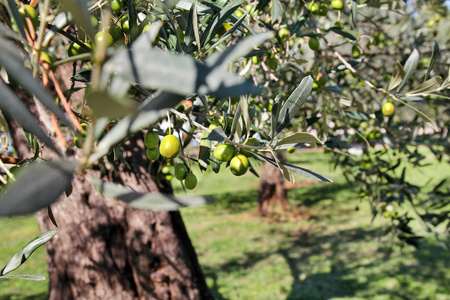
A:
<point x="339" y="279"/>
<point x="317" y="193"/>
<point x="43" y="296"/>
<point x="341" y="257"/>
<point x="247" y="200"/>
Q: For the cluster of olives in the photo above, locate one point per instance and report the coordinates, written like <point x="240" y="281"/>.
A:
<point x="238" y="162"/>
<point x="321" y="7"/>
<point x="169" y="148"/>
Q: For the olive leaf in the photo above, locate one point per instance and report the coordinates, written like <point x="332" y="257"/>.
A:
<point x="410" y="68"/>
<point x="32" y="191"/>
<point x="295" y="139"/>
<point x="426" y="88"/>
<point x="151" y="201"/>
<point x="293" y="104"/>
<point x="397" y="77"/>
<point x="23" y="254"/>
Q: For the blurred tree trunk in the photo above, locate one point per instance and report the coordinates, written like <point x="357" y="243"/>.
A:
<point x="272" y="190"/>
<point x="106" y="250"/>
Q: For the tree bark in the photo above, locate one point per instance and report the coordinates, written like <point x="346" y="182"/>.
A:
<point x="272" y="190"/>
<point x="106" y="250"/>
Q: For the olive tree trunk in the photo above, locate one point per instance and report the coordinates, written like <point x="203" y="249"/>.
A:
<point x="106" y="250"/>
<point x="272" y="191"/>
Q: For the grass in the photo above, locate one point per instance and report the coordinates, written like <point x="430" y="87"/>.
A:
<point x="330" y="250"/>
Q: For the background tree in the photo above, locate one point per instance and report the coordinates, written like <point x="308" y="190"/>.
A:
<point x="177" y="70"/>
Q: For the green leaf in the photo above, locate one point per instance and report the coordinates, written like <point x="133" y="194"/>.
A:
<point x="446" y="84"/>
<point x="217" y="134"/>
<point x="12" y="8"/>
<point x="426" y="88"/>
<point x="218" y="20"/>
<point x="36" y="277"/>
<point x="228" y="33"/>
<point x="23" y="76"/>
<point x="354" y="13"/>
<point x="297" y="138"/>
<point x="105" y="105"/>
<point x="178" y="74"/>
<point x="150" y="201"/>
<point x="203" y="157"/>
<point x="23" y="254"/>
<point x="294" y="103"/>
<point x="275" y="113"/>
<point x="419" y="113"/>
<point x="245" y="115"/>
<point x="350" y="34"/>
<point x="79" y="12"/>
<point x="276" y="11"/>
<point x="132" y="21"/>
<point x="188" y="5"/>
<point x="14" y="107"/>
<point x="397" y="77"/>
<point x="238" y="50"/>
<point x="7" y="33"/>
<point x="296" y="170"/>
<point x="189" y="32"/>
<point x="36" y="187"/>
<point x="434" y="56"/>
<point x="410" y="67"/>
<point x="357" y="115"/>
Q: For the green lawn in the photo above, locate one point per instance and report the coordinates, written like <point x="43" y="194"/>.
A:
<point x="330" y="250"/>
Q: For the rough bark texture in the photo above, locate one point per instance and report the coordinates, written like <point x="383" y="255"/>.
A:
<point x="272" y="190"/>
<point x="106" y="250"/>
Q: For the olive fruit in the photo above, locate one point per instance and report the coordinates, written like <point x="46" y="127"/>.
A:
<point x="170" y="146"/>
<point x="46" y="58"/>
<point x="336" y="4"/>
<point x="323" y="9"/>
<point x="101" y="36"/>
<point x="125" y="24"/>
<point x="152" y="153"/>
<point x="238" y="13"/>
<point x="224" y="152"/>
<point x="31" y="13"/>
<point x="180" y="171"/>
<point x="165" y="169"/>
<point x="115" y="32"/>
<point x="224" y="28"/>
<point x="272" y="63"/>
<point x="255" y="59"/>
<point x="290" y="149"/>
<point x="356" y="51"/>
<point x="339" y="24"/>
<point x="314" y="43"/>
<point x="75" y="49"/>
<point x="239" y="165"/>
<point x="388" y="109"/>
<point x="251" y="142"/>
<point x="116" y="5"/>
<point x="315" y="86"/>
<point x="284" y="33"/>
<point x="313" y="8"/>
<point x="151" y="139"/>
<point x="190" y="182"/>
